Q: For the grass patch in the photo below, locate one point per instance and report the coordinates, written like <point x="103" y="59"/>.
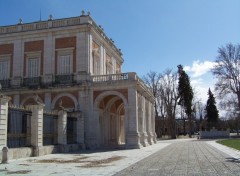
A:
<point x="233" y="143"/>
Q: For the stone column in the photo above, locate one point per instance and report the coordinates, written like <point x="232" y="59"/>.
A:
<point x="80" y="128"/>
<point x="153" y="123"/>
<point x="144" y="134"/>
<point x="3" y="120"/>
<point x="132" y="135"/>
<point x="37" y="128"/>
<point x="62" y="127"/>
<point x="80" y="131"/>
<point x="149" y="123"/>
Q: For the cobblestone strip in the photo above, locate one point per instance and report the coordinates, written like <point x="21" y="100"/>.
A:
<point x="185" y="158"/>
<point x="206" y="160"/>
<point x="222" y="162"/>
<point x="181" y="162"/>
<point x="194" y="166"/>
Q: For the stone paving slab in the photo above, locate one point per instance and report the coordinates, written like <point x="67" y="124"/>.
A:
<point x="168" y="157"/>
<point x="83" y="163"/>
<point x="192" y="157"/>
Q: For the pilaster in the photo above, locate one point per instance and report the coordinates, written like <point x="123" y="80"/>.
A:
<point x="3" y="120"/>
<point x="49" y="55"/>
<point x="132" y="135"/>
<point x="149" y="123"/>
<point x="36" y="125"/>
<point x="144" y="135"/>
<point x="153" y="124"/>
<point x="80" y="128"/>
<point x="47" y="101"/>
<point x="36" y="128"/>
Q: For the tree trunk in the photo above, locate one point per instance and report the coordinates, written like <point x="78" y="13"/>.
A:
<point x="190" y="125"/>
<point x="238" y="114"/>
<point x="173" y="129"/>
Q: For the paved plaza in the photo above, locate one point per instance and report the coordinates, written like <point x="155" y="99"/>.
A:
<point x="168" y="157"/>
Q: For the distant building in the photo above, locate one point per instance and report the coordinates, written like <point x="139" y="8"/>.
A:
<point x="71" y="64"/>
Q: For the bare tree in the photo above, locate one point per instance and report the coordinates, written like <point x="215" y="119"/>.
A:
<point x="164" y="87"/>
<point x="151" y="80"/>
<point x="227" y="72"/>
<point x="168" y="97"/>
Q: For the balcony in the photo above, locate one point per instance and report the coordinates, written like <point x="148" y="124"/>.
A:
<point x="64" y="79"/>
<point x="121" y="78"/>
<point x="111" y="77"/>
<point x="33" y="82"/>
<point x="5" y="83"/>
<point x="49" y="81"/>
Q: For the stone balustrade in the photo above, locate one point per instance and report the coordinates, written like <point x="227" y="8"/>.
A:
<point x="57" y="23"/>
<point x="214" y="134"/>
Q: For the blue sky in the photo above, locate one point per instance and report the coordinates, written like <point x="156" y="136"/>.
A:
<point x="153" y="34"/>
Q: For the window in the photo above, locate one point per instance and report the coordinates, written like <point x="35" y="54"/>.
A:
<point x="64" y="65"/>
<point x="33" y="64"/>
<point x="4" y="67"/>
<point x="96" y="58"/>
<point x="109" y="65"/>
<point x="32" y="67"/>
<point x="96" y="66"/>
<point x="65" y="61"/>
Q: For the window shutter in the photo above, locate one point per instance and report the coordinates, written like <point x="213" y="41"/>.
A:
<point x="33" y="67"/>
<point x="4" y="70"/>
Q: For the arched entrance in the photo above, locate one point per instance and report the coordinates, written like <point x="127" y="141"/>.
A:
<point x="111" y="108"/>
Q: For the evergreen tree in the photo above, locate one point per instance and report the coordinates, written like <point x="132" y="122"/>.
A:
<point x="211" y="110"/>
<point x="185" y="94"/>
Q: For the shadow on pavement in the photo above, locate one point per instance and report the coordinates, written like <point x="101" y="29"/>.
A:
<point x="233" y="160"/>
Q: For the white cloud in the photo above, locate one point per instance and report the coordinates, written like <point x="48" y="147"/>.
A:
<point x="199" y="68"/>
<point x="201" y="78"/>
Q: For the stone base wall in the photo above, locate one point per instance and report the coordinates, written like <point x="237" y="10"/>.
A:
<point x="24" y="152"/>
<point x="214" y="134"/>
<point x="45" y="150"/>
<point x="16" y="153"/>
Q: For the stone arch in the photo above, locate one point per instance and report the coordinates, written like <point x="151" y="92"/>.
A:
<point x="25" y="99"/>
<point x="66" y="95"/>
<point x="106" y="93"/>
<point x="111" y="127"/>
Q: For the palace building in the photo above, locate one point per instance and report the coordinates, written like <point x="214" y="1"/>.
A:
<point x="70" y="64"/>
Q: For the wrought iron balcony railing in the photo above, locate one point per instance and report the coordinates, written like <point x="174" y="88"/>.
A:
<point x="5" y="83"/>
<point x="32" y="82"/>
<point x="64" y="79"/>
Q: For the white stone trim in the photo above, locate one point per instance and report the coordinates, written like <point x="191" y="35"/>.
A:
<point x="33" y="54"/>
<point x="67" y="95"/>
<point x="60" y="50"/>
<point x="28" y="97"/>
<point x="106" y="93"/>
<point x="5" y="55"/>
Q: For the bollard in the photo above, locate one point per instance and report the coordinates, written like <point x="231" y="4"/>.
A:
<point x="5" y="155"/>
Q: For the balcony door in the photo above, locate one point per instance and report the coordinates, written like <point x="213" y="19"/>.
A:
<point x="4" y="68"/>
<point x="64" y="64"/>
<point x="33" y="67"/>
